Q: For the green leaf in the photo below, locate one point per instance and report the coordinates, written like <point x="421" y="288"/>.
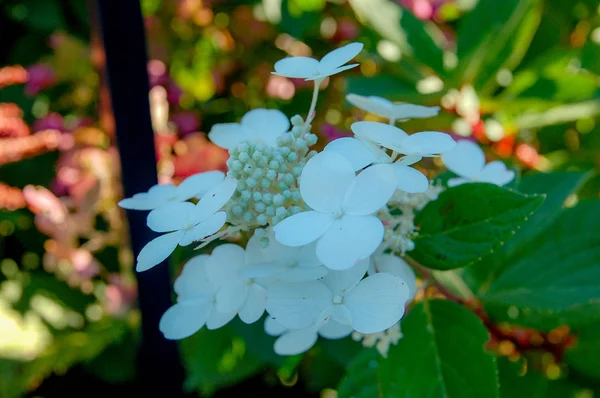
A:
<point x="557" y="187"/>
<point x="555" y="283"/>
<point x="590" y="56"/>
<point x="394" y="23"/>
<point x="494" y="35"/>
<point x="216" y="358"/>
<point x="468" y="222"/>
<point x="44" y="15"/>
<point x="441" y="355"/>
<point x="585" y="356"/>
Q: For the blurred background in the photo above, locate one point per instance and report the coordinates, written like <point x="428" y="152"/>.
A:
<point x="521" y="77"/>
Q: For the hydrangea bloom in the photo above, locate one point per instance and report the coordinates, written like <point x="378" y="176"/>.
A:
<point x="258" y="125"/>
<point x="342" y="210"/>
<point x="385" y="108"/>
<point x="311" y="69"/>
<point x="161" y="195"/>
<point x="468" y="161"/>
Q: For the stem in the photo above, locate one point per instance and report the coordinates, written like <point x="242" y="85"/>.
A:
<point x="313" y="103"/>
<point x="428" y="275"/>
<point x="392" y="121"/>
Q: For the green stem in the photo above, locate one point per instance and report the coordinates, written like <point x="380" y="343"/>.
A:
<point x="313" y="103"/>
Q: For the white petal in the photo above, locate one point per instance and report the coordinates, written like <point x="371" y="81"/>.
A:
<point x="341" y="314"/>
<point x="273" y="328"/>
<point x="142" y="203"/>
<point x="296" y="67"/>
<point x="204" y="229"/>
<point x="334" y="330"/>
<point x="323" y="75"/>
<point x="302" y="228"/>
<point x="263" y="248"/>
<point x="184" y="319"/>
<point x="255" y="304"/>
<point x="232" y="297"/>
<point x="297" y="305"/>
<point x="170" y="217"/>
<point x="193" y="281"/>
<point x="381" y="133"/>
<point x="295" y="342"/>
<point x="198" y="184"/>
<point x="324" y="181"/>
<point x="396" y="266"/>
<point x="410" y="180"/>
<point x="303" y="274"/>
<point x="427" y="143"/>
<point x="496" y="173"/>
<point x="263" y="270"/>
<point x="266" y="124"/>
<point x="157" y="250"/>
<point x="341" y="282"/>
<point x="229" y="135"/>
<point x="214" y="200"/>
<point x="224" y="263"/>
<point x="370" y="190"/>
<point x="372" y="104"/>
<point x="339" y="57"/>
<point x="218" y="319"/>
<point x="349" y="240"/>
<point x="411" y="111"/>
<point x="353" y="150"/>
<point x="466" y="159"/>
<point x="160" y="192"/>
<point x="377" y="303"/>
<point x="452" y="182"/>
<point x="408" y="160"/>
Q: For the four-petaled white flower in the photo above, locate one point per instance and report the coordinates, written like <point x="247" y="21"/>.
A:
<point x="310" y="69"/>
<point x="367" y="305"/>
<point x="235" y="292"/>
<point x="293" y="342"/>
<point x="468" y="161"/>
<point x="185" y="223"/>
<point x="195" y="306"/>
<point x="258" y="125"/>
<point x="343" y="204"/>
<point x="267" y="258"/>
<point x="164" y="194"/>
<point x="392" y="111"/>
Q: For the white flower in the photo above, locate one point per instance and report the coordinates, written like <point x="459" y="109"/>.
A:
<point x="388" y="263"/>
<point x="267" y="258"/>
<point x="468" y="161"/>
<point x="385" y="108"/>
<point x="258" y="125"/>
<point x="368" y="306"/>
<point x="311" y="69"/>
<point x="165" y="194"/>
<point x="185" y="223"/>
<point x="235" y="293"/>
<point x="341" y="219"/>
<point x="292" y="342"/>
<point x="361" y="153"/>
<point x="195" y="303"/>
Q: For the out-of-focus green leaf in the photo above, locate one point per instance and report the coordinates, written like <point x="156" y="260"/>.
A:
<point x="494" y="35"/>
<point x="300" y="19"/>
<point x="557" y="187"/>
<point x="216" y="358"/>
<point x="414" y="37"/>
<point x="556" y="282"/>
<point x="383" y="86"/>
<point x="585" y="356"/>
<point x="590" y="56"/>
<point x="467" y="222"/>
<point x="442" y="342"/>
<point x="43" y="14"/>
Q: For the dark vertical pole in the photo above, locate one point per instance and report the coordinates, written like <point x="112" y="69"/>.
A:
<point x="123" y="36"/>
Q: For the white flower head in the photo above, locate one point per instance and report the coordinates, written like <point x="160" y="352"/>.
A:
<point x="235" y="292"/>
<point x="185" y="223"/>
<point x="258" y="125"/>
<point x="164" y="194"/>
<point x="367" y="305"/>
<point x="293" y="342"/>
<point x="195" y="305"/>
<point x="343" y="204"/>
<point x="388" y="263"/>
<point x="468" y="161"/>
<point x="310" y="69"/>
<point x="267" y="258"/>
<point x="385" y="108"/>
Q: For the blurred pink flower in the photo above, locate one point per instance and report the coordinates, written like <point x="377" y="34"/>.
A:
<point x="423" y="9"/>
<point x="186" y="121"/>
<point x="41" y="76"/>
<point x="331" y="132"/>
<point x="280" y="87"/>
<point x="174" y="93"/>
<point x="52" y="121"/>
<point x="84" y="263"/>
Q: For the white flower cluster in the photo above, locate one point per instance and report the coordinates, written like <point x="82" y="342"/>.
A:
<point x="323" y="228"/>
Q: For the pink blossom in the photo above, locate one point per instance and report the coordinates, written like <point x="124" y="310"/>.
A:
<point x="40" y="77"/>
